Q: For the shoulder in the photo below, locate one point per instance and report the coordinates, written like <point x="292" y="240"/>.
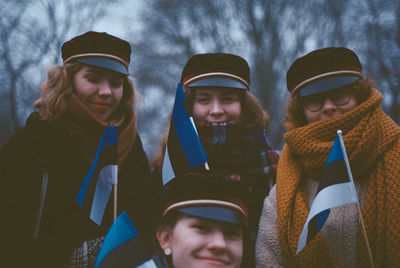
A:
<point x="268" y="253"/>
<point x="24" y="138"/>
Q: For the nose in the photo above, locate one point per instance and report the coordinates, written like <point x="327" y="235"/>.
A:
<point x="104" y="89"/>
<point x="217" y="241"/>
<point x="328" y="106"/>
<point x="216" y="108"/>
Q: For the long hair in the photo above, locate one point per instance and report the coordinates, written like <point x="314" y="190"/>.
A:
<point x="295" y="116"/>
<point x="253" y="114"/>
<point x="60" y="86"/>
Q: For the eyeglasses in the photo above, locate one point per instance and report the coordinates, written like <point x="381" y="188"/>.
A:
<point x="339" y="97"/>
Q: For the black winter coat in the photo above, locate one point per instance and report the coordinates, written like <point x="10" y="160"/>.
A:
<point x="39" y="147"/>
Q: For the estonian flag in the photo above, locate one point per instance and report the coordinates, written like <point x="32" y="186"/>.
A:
<point x="336" y="189"/>
<point x="122" y="247"/>
<point x="184" y="149"/>
<point x="107" y="154"/>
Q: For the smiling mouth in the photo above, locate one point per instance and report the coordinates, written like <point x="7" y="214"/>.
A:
<point x="101" y="106"/>
<point x="214" y="260"/>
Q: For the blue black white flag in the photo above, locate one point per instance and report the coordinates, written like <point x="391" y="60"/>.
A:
<point x="122" y="247"/>
<point x="184" y="149"/>
<point x="105" y="164"/>
<point x="335" y="189"/>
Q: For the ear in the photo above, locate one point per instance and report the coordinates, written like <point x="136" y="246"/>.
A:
<point x="164" y="234"/>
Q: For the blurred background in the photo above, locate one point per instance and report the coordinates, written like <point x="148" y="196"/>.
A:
<point x="269" y="34"/>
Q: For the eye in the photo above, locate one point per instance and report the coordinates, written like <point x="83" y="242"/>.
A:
<point x="116" y="83"/>
<point x="201" y="227"/>
<point x="93" y="78"/>
<point x="202" y="99"/>
<point x="229" y="98"/>
<point x="233" y="233"/>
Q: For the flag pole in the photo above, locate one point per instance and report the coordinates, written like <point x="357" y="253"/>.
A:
<point x="207" y="167"/>
<point x="371" y="260"/>
<point x="115" y="191"/>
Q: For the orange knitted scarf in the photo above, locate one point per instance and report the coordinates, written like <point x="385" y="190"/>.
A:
<point x="373" y="147"/>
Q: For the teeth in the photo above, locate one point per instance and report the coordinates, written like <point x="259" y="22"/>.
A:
<point x="219" y="124"/>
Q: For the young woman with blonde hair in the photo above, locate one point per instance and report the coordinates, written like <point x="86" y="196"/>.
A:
<point x="44" y="164"/>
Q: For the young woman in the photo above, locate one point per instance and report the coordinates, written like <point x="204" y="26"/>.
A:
<point x="329" y="92"/>
<point x="231" y="124"/>
<point x="44" y="164"/>
<point x="204" y="222"/>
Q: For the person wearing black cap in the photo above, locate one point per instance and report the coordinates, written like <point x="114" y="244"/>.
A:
<point x="204" y="221"/>
<point x="328" y="93"/>
<point x="44" y="164"/>
<point x="231" y="125"/>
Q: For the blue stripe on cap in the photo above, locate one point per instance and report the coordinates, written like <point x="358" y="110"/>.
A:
<point x="109" y="64"/>
<point x="218" y="82"/>
<point x="214" y="213"/>
<point x="327" y="84"/>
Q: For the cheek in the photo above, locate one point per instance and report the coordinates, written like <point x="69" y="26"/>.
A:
<point x="237" y="250"/>
<point x="199" y="112"/>
<point x="118" y="93"/>
<point x="82" y="89"/>
<point x="183" y="246"/>
<point x="234" y="110"/>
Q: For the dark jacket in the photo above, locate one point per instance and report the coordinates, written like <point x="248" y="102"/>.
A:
<point x="40" y="147"/>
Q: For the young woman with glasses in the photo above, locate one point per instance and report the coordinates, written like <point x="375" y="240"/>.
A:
<point x="328" y="93"/>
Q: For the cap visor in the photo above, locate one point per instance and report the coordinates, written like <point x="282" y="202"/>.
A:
<point x="214" y="213"/>
<point x="327" y="84"/>
<point x="218" y="82"/>
<point x="105" y="63"/>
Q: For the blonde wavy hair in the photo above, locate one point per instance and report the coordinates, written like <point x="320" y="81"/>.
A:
<point x="59" y="86"/>
<point x="253" y="114"/>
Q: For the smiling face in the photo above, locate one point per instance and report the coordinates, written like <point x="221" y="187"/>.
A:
<point x="197" y="242"/>
<point x="99" y="89"/>
<point x="216" y="105"/>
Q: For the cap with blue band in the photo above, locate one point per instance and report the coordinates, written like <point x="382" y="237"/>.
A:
<point x="98" y="49"/>
<point x="322" y="70"/>
<point x="216" y="70"/>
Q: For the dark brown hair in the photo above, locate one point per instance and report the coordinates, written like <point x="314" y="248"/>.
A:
<point x="252" y="114"/>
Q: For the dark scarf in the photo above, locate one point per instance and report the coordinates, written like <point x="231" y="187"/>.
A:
<point x="86" y="129"/>
<point x="241" y="149"/>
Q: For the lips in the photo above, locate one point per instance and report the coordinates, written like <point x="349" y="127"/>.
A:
<point x="101" y="105"/>
<point x="214" y="260"/>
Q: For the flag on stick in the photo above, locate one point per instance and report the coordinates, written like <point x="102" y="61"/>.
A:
<point x="184" y="149"/>
<point x="122" y="247"/>
<point x="107" y="153"/>
<point x="335" y="189"/>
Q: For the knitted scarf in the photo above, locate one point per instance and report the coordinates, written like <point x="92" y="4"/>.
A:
<point x="86" y="129"/>
<point x="372" y="143"/>
<point x="241" y="149"/>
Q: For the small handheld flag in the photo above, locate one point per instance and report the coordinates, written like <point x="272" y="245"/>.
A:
<point x="184" y="149"/>
<point x="107" y="177"/>
<point x="122" y="247"/>
<point x="335" y="189"/>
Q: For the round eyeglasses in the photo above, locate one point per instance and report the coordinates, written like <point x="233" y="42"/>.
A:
<point x="339" y="97"/>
